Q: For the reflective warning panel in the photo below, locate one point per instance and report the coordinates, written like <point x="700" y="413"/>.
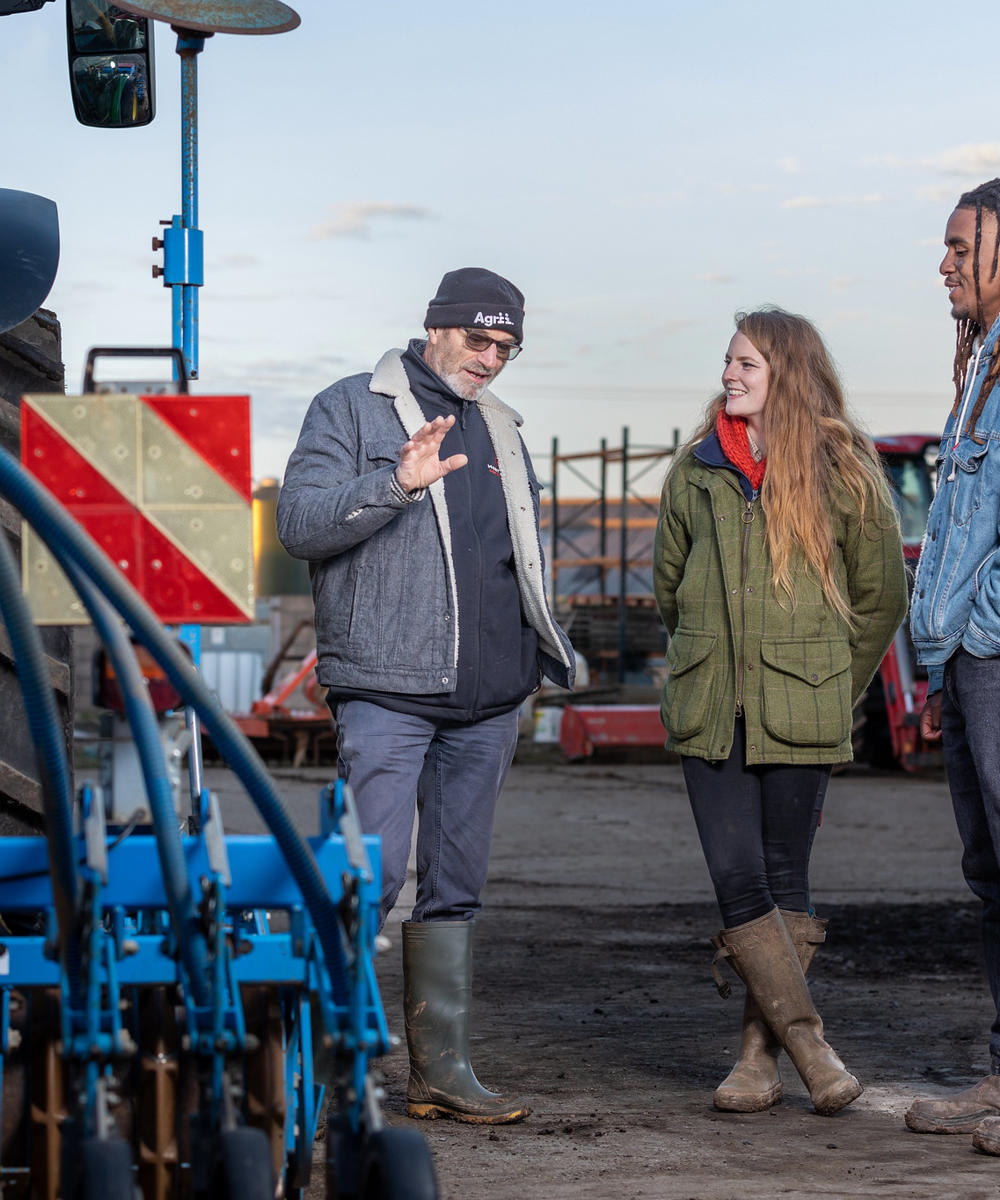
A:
<point x="162" y="484"/>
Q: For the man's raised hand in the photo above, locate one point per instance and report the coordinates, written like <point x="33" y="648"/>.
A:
<point x="420" y="463"/>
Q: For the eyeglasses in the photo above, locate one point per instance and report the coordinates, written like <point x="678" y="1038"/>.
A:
<point x="474" y="340"/>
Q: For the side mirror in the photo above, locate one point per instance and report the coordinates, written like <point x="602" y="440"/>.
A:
<point x="110" y="52"/>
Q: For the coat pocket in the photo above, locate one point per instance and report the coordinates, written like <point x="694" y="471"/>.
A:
<point x="968" y="459"/>
<point x="381" y="453"/>
<point x="688" y="694"/>
<point x="806" y="697"/>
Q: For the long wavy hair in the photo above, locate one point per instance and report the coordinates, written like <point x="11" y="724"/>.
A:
<point x="817" y="456"/>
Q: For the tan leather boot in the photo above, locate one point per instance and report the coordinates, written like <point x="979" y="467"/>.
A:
<point x="986" y="1135"/>
<point x="754" y="1083"/>
<point x="763" y="955"/>
<point x="961" y="1112"/>
<point x="437" y="992"/>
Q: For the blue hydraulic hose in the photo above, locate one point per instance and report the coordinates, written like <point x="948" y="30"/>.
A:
<point x="69" y="543"/>
<point x="142" y="720"/>
<point x="53" y="769"/>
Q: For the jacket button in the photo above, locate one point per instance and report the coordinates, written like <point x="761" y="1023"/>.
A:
<point x="921" y="593"/>
<point x="754" y="749"/>
<point x="934" y="536"/>
<point x="814" y="678"/>
<point x="735" y="590"/>
<point x="447" y="616"/>
<point x="749" y="666"/>
<point x="444" y="678"/>
<point x="722" y="518"/>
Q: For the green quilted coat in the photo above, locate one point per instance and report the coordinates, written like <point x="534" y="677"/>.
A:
<point x="795" y="673"/>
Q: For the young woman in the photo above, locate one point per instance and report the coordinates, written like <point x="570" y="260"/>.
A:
<point x="779" y="574"/>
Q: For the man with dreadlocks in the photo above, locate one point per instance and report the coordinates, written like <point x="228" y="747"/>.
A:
<point x="955" y="615"/>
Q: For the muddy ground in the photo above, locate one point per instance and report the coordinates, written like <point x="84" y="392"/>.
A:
<point x="594" y="998"/>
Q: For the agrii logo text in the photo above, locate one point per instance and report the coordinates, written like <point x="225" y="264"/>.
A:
<point x="492" y="319"/>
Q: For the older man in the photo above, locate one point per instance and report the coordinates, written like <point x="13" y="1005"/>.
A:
<point x="413" y="497"/>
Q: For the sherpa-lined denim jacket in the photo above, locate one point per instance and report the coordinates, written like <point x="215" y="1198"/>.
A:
<point x="382" y="567"/>
<point x="956" y="595"/>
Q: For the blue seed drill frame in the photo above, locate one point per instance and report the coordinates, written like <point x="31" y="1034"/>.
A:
<point x="123" y="910"/>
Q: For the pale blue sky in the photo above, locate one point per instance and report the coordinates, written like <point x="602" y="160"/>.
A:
<point x="641" y="170"/>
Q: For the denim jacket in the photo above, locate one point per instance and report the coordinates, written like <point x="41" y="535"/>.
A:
<point x="956" y="596"/>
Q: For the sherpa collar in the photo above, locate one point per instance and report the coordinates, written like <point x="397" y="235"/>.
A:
<point x="389" y="379"/>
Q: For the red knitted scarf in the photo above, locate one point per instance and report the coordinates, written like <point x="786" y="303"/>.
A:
<point x="732" y="434"/>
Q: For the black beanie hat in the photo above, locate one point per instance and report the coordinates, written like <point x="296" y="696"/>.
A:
<point x="474" y="297"/>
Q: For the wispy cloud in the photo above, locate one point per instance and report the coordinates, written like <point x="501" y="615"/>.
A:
<point x="789" y="165"/>
<point x="742" y="189"/>
<point x="833" y="201"/>
<point x="239" y="260"/>
<point x="939" y="193"/>
<point x="848" y="316"/>
<point x="659" y="331"/>
<point x="355" y="220"/>
<point x="972" y="158"/>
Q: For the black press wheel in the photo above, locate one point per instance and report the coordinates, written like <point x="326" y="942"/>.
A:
<point x="243" y="1166"/>
<point x="105" y="1170"/>
<point x="397" y="1166"/>
<point x="343" y="1157"/>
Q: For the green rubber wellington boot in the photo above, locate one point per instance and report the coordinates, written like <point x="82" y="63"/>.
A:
<point x="437" y="993"/>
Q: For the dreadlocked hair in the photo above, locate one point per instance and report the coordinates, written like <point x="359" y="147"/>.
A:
<point x="818" y="459"/>
<point x="985" y="198"/>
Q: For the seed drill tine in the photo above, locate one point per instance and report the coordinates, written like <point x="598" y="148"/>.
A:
<point x="215" y="841"/>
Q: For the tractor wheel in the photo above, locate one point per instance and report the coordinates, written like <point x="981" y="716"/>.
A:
<point x="106" y="1170"/>
<point x="397" y="1166"/>
<point x="343" y="1157"/>
<point x="243" y="1168"/>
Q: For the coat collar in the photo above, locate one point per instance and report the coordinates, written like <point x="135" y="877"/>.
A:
<point x="389" y="379"/>
<point x="709" y="453"/>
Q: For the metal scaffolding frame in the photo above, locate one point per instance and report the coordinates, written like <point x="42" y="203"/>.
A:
<point x="564" y="542"/>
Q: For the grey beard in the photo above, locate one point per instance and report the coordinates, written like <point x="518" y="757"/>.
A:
<point x="461" y="388"/>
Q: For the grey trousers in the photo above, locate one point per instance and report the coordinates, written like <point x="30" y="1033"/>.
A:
<point x="448" y="775"/>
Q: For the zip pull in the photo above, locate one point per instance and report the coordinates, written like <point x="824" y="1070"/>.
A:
<point x="739" y="708"/>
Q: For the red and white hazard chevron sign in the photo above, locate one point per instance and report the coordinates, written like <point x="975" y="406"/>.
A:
<point x="162" y="484"/>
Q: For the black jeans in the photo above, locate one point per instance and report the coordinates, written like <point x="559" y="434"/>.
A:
<point x="756" y="826"/>
<point x="969" y="707"/>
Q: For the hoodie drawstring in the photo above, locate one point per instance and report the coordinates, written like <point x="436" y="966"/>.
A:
<point x="969" y="383"/>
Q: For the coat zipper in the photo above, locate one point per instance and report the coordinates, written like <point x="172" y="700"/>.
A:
<point x="748" y="516"/>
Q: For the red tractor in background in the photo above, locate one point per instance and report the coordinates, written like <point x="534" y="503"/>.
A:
<point x="887" y="724"/>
